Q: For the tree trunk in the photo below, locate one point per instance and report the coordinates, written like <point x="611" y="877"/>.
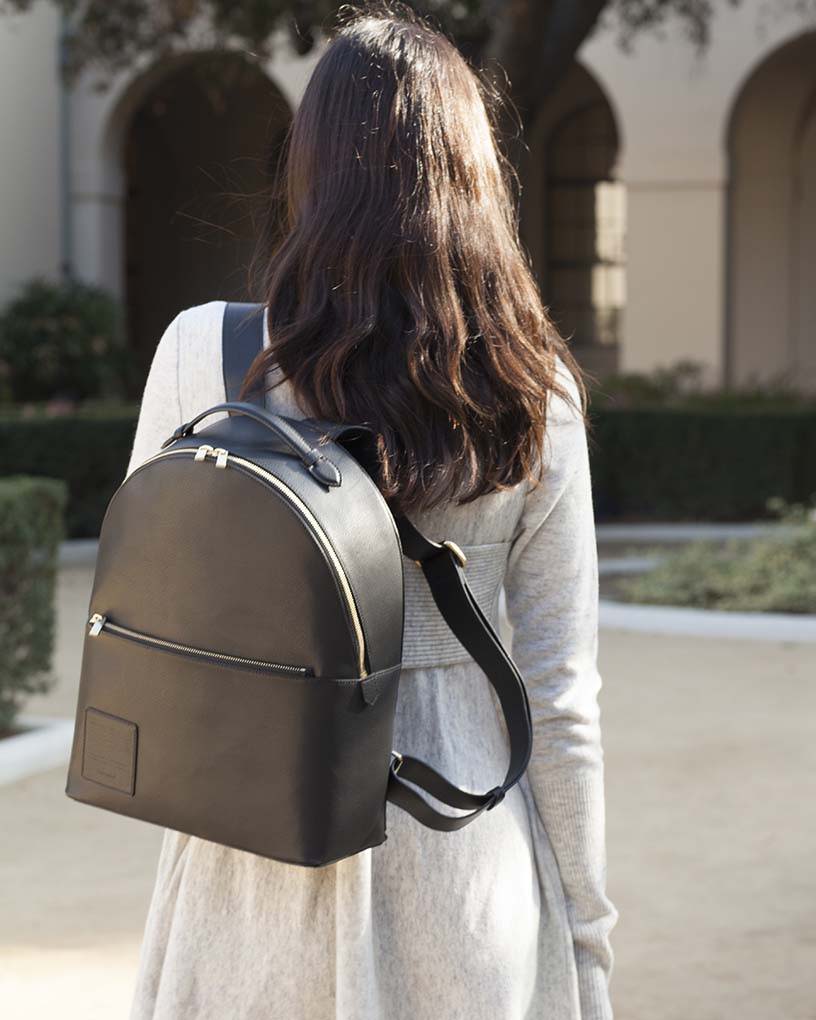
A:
<point x="534" y="42"/>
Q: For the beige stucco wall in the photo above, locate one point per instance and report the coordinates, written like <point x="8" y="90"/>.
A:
<point x="29" y="152"/>
<point x="673" y="107"/>
<point x="674" y="276"/>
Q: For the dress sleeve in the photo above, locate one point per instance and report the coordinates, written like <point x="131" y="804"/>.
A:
<point x="160" y="409"/>
<point x="551" y="590"/>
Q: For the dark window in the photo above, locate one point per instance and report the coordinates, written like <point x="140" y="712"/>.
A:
<point x="586" y="218"/>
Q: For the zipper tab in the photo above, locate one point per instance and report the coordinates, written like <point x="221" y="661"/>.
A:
<point x="221" y="457"/>
<point x="97" y="622"/>
<point x="202" y="451"/>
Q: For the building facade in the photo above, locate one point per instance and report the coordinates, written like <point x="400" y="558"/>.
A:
<point x="669" y="201"/>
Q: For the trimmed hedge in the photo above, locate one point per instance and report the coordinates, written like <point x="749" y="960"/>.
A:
<point x="692" y="464"/>
<point x="648" y="464"/>
<point x="31" y="528"/>
<point x="89" y="452"/>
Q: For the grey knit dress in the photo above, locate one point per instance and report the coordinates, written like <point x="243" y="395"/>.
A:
<point x="506" y="919"/>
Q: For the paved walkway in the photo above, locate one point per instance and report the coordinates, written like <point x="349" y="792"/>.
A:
<point x="711" y="833"/>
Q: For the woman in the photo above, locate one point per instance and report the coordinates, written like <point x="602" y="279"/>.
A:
<point x="399" y="295"/>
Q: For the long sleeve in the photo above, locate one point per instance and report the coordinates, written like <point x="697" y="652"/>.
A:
<point x="160" y="410"/>
<point x="551" y="591"/>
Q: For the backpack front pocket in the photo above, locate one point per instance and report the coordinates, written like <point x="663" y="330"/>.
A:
<point x="100" y="623"/>
<point x="254" y="754"/>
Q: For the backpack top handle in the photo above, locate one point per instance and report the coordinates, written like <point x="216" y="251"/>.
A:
<point x="318" y="464"/>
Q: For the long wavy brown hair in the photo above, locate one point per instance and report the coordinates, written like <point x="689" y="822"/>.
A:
<point x="397" y="290"/>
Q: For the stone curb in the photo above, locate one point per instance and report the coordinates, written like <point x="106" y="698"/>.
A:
<point x="665" y="534"/>
<point x="77" y="552"/>
<point x="707" y="623"/>
<point x="45" y="744"/>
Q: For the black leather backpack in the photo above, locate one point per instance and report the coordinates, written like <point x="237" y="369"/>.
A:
<point x="242" y="656"/>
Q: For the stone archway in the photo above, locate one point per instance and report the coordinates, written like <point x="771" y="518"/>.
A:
<point x="199" y="152"/>
<point x="772" y="221"/>
<point x="575" y="219"/>
<point x="803" y="255"/>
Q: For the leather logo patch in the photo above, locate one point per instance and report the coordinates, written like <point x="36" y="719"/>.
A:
<point x="109" y="751"/>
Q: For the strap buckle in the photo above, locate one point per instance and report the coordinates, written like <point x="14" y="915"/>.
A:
<point x="496" y="797"/>
<point x="395" y="768"/>
<point x="457" y="552"/>
<point x="452" y="548"/>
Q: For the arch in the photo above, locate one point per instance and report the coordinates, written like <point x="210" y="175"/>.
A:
<point x="126" y="99"/>
<point x="803" y="243"/>
<point x="604" y="90"/>
<point x="100" y="118"/>
<point x="771" y="220"/>
<point x="774" y="37"/>
<point x="191" y="146"/>
<point x="575" y="221"/>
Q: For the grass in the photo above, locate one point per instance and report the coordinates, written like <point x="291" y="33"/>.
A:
<point x="772" y="574"/>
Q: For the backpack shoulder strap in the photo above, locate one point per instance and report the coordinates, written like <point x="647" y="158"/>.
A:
<point x="443" y="565"/>
<point x="242" y="335"/>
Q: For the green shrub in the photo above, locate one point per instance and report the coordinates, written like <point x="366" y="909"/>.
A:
<point x="31" y="527"/>
<point x="62" y="341"/>
<point x="776" y="573"/>
<point x="88" y="450"/>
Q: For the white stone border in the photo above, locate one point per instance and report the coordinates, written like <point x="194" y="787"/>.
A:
<point x="611" y="566"/>
<point x="44" y="744"/>
<point x="682" y="620"/>
<point x="707" y="623"/>
<point x="77" y="552"/>
<point x="670" y="534"/>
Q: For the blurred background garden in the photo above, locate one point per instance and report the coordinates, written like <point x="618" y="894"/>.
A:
<point x="666" y="160"/>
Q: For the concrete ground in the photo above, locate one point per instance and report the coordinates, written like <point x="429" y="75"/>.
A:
<point x="711" y="838"/>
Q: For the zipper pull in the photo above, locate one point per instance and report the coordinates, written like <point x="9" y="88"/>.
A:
<point x="221" y="457"/>
<point x="202" y="451"/>
<point x="97" y="622"/>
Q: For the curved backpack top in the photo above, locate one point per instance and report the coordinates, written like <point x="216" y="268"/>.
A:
<point x="241" y="661"/>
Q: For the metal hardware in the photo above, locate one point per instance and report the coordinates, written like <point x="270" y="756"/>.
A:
<point x="496" y="797"/>
<point x="457" y="552"/>
<point x="400" y="759"/>
<point x="205" y="450"/>
<point x="99" y="622"/>
<point x="453" y="548"/>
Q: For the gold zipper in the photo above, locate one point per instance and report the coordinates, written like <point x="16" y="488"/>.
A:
<point x="223" y="457"/>
<point x="99" y="622"/>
